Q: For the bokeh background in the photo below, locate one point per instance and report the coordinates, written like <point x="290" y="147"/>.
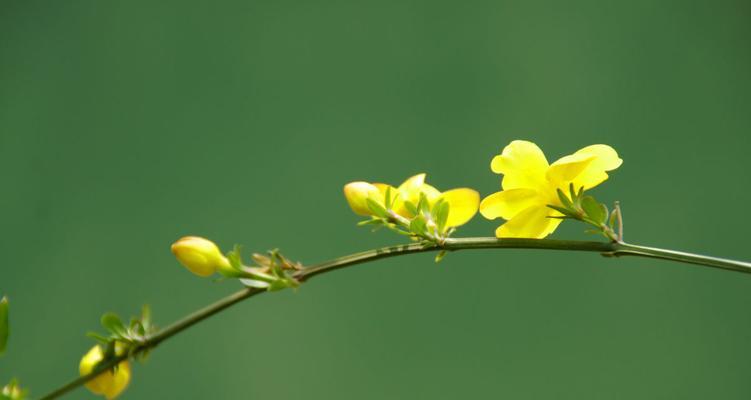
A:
<point x="125" y="125"/>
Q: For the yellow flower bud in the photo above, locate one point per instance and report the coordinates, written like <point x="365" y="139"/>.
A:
<point x="357" y="194"/>
<point x="12" y="391"/>
<point x="109" y="383"/>
<point x="200" y="256"/>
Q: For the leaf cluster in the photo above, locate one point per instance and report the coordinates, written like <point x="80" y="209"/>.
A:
<point x="427" y="222"/>
<point x="585" y="208"/>
<point x="131" y="336"/>
<point x="271" y="272"/>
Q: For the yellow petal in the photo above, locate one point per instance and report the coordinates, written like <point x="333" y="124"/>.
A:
<point x="430" y="192"/>
<point x="120" y="380"/>
<point x="522" y="164"/>
<point x="567" y="168"/>
<point x="606" y="156"/>
<point x="382" y="187"/>
<point x="411" y="187"/>
<point x="605" y="159"/>
<point x="463" y="204"/>
<point x="357" y="194"/>
<point x="508" y="203"/>
<point x="531" y="223"/>
<point x="410" y="191"/>
<point x="110" y="383"/>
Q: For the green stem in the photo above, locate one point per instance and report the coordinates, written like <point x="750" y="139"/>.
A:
<point x="626" y="249"/>
<point x="610" y="249"/>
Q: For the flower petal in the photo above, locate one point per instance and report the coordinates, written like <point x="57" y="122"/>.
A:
<point x="508" y="203"/>
<point x="411" y="187"/>
<point x="522" y="164"/>
<point x="463" y="204"/>
<point x="605" y="159"/>
<point x="531" y="223"/>
<point x="568" y="168"/>
<point x="430" y="192"/>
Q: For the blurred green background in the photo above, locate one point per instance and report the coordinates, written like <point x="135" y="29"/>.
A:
<point x="125" y="125"/>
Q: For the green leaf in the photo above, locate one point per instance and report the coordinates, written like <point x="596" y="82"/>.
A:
<point x="96" y="336"/>
<point x="418" y="225"/>
<point x="255" y="283"/>
<point x="440" y="255"/>
<point x="410" y="206"/>
<point x="4" y="325"/>
<point x="565" y="211"/>
<point x="441" y="214"/>
<point x="594" y="210"/>
<point x="388" y="199"/>
<point x="235" y="257"/>
<point x="422" y="204"/>
<point x="564" y="200"/>
<point x="572" y="192"/>
<point x="112" y="323"/>
<point x="146" y="318"/>
<point x="377" y="208"/>
<point x="372" y="221"/>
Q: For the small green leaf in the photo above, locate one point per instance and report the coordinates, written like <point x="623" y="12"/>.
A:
<point x="372" y="221"/>
<point x="565" y="211"/>
<point x="440" y="255"/>
<point x="594" y="210"/>
<point x="411" y="207"/>
<point x="4" y="324"/>
<point x="564" y="200"/>
<point x="441" y="214"/>
<point x="112" y="323"/>
<point x="255" y="283"/>
<point x="418" y="225"/>
<point x="422" y="204"/>
<point x="146" y="318"/>
<point x="96" y="336"/>
<point x="572" y="192"/>
<point x="388" y="200"/>
<point x="235" y="257"/>
<point x="377" y="208"/>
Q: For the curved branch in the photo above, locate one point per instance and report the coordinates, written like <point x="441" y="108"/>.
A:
<point x="610" y="249"/>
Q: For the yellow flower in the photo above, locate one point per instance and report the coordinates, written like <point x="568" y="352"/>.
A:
<point x="463" y="202"/>
<point x="109" y="383"/>
<point x="200" y="256"/>
<point x="530" y="185"/>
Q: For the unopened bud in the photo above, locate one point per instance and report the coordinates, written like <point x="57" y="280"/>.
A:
<point x="357" y="194"/>
<point x="200" y="256"/>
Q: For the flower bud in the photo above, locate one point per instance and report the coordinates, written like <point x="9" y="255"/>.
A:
<point x="13" y="391"/>
<point x="200" y="256"/>
<point x="357" y="194"/>
<point x="109" y="383"/>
